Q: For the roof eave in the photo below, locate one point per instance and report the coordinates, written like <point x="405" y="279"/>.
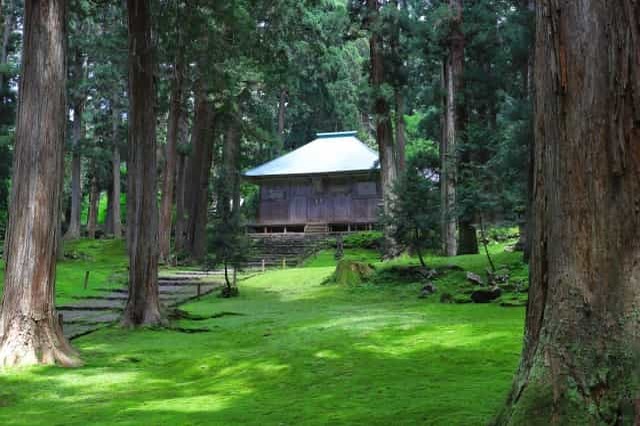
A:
<point x="253" y="178"/>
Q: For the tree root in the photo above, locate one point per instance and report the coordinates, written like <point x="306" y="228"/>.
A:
<point x="27" y="341"/>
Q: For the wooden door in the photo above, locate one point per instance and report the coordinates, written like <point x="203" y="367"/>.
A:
<point x="298" y="210"/>
<point x="316" y="209"/>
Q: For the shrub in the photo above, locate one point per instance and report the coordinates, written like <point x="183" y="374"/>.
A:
<point x="371" y="240"/>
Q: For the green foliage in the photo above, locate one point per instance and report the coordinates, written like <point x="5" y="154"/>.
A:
<point x="503" y="234"/>
<point x="228" y="243"/>
<point x="371" y="240"/>
<point x="414" y="216"/>
<point x="251" y="196"/>
<point x="326" y="258"/>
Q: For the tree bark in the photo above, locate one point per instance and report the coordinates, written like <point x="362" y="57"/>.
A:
<point x="581" y="350"/>
<point x="94" y="199"/>
<point x="384" y="126"/>
<point x="169" y="179"/>
<point x="453" y="84"/>
<point x="197" y="195"/>
<point x="30" y="331"/>
<point x="143" y="304"/>
<point x="115" y="174"/>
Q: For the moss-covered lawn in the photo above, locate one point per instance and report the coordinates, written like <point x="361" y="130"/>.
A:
<point x="291" y="351"/>
<point x="104" y="259"/>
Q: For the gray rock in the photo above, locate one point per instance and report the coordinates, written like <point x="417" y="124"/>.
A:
<point x="486" y="295"/>
<point x="428" y="290"/>
<point x="474" y="278"/>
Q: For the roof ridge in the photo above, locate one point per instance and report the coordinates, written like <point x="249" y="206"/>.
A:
<point x="336" y="134"/>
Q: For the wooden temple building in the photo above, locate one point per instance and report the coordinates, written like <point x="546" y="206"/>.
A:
<point x="331" y="184"/>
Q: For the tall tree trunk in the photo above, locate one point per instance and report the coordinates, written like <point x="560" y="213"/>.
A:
<point x="582" y="341"/>
<point x="197" y="195"/>
<point x="108" y="220"/>
<point x="181" y="183"/>
<point x="143" y="304"/>
<point x="168" y="184"/>
<point x="115" y="173"/>
<point x="94" y="199"/>
<point x="526" y="225"/>
<point x="282" y="109"/>
<point x="400" y="126"/>
<point x="73" y="232"/>
<point x="384" y="126"/>
<point x="400" y="131"/>
<point x="30" y="330"/>
<point x="77" y="134"/>
<point x="454" y="127"/>
<point x="231" y="164"/>
<point x="468" y="239"/>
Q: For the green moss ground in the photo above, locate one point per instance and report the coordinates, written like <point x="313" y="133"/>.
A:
<point x="296" y="352"/>
<point x="103" y="258"/>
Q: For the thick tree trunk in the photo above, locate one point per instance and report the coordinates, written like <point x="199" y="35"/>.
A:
<point x="143" y="304"/>
<point x="30" y="330"/>
<point x="115" y="172"/>
<point x="197" y="194"/>
<point x="92" y="217"/>
<point x="384" y="125"/>
<point x="582" y="341"/>
<point x="453" y="128"/>
<point x="169" y="179"/>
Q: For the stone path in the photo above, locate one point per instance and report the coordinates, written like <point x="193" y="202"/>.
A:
<point x="92" y="313"/>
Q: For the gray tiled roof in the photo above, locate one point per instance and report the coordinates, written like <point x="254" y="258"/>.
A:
<point x="328" y="153"/>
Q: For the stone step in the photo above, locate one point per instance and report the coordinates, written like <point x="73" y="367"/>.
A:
<point x="73" y="331"/>
<point x="92" y="313"/>
<point x="196" y="273"/>
<point x="89" y="316"/>
<point x="95" y="305"/>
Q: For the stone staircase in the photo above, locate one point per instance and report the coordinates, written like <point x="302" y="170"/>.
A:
<point x="316" y="229"/>
<point x="92" y="313"/>
<point x="288" y="250"/>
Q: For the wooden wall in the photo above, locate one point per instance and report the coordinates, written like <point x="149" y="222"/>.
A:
<point x="333" y="199"/>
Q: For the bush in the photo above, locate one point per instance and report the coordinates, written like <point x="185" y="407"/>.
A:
<point x="503" y="234"/>
<point x="371" y="240"/>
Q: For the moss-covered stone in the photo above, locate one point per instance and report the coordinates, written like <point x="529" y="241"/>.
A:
<point x="350" y="272"/>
